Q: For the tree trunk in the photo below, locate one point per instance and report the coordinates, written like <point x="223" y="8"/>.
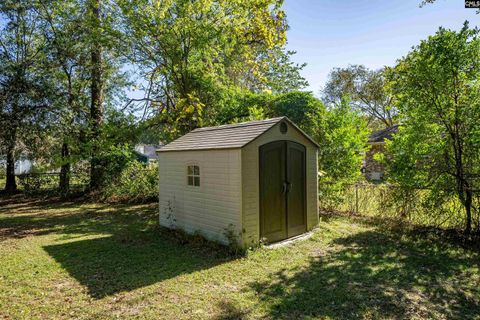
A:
<point x="478" y="227"/>
<point x="468" y="211"/>
<point x="96" y="88"/>
<point x="65" y="170"/>
<point x="11" y="184"/>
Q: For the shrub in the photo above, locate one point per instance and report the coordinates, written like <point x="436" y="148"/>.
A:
<point x="112" y="160"/>
<point x="136" y="183"/>
<point x="331" y="196"/>
<point x="33" y="182"/>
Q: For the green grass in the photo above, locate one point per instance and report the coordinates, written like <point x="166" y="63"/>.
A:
<point x="84" y="261"/>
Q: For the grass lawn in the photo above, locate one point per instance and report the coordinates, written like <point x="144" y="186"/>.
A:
<point x="84" y="261"/>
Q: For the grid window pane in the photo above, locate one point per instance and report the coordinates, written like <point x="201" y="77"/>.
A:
<point x="193" y="175"/>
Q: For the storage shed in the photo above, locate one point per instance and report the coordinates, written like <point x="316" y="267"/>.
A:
<point x="249" y="181"/>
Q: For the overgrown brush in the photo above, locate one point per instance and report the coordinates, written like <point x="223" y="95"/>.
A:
<point x="418" y="206"/>
<point x="137" y="182"/>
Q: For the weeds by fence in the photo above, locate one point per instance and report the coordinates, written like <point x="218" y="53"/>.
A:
<point x="35" y="182"/>
<point x="135" y="183"/>
<point x="419" y="206"/>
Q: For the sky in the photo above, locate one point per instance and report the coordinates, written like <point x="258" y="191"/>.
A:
<point x="335" y="33"/>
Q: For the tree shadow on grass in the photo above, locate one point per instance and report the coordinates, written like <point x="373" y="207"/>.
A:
<point x="229" y="311"/>
<point x="126" y="248"/>
<point x="115" y="264"/>
<point x="377" y="275"/>
<point x="69" y="219"/>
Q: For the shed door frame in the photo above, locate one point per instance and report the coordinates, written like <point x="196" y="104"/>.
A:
<point x="287" y="144"/>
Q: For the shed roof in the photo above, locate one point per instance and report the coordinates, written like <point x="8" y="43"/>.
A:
<point x="381" y="135"/>
<point x="228" y="136"/>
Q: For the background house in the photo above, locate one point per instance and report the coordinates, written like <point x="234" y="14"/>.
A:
<point x="147" y="152"/>
<point x="374" y="170"/>
<point x="22" y="165"/>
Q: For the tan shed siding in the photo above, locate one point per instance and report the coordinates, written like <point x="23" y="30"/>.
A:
<point x="312" y="184"/>
<point x="250" y="180"/>
<point x="210" y="208"/>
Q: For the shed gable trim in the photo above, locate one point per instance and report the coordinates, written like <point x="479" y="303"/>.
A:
<point x="294" y="126"/>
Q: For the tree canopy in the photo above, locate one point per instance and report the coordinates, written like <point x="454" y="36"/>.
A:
<point x="366" y="92"/>
<point x="66" y="68"/>
<point x="25" y="88"/>
<point x="438" y="92"/>
<point x="192" y="54"/>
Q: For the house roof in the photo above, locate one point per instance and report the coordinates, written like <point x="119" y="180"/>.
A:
<point x="381" y="135"/>
<point x="147" y="150"/>
<point x="228" y="136"/>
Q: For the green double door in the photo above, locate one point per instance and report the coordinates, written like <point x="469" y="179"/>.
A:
<point x="282" y="190"/>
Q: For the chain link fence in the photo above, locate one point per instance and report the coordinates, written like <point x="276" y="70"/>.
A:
<point x="420" y="206"/>
<point x="35" y="182"/>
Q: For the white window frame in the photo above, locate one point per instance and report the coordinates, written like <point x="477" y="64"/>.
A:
<point x="193" y="175"/>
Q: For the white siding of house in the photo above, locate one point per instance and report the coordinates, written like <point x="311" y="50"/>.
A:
<point x="210" y="208"/>
<point x="251" y="185"/>
<point x="22" y="166"/>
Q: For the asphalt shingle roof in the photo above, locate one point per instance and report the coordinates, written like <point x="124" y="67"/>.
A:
<point x="228" y="136"/>
<point x="381" y="135"/>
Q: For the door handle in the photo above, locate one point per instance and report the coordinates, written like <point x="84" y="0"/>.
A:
<point x="284" y="187"/>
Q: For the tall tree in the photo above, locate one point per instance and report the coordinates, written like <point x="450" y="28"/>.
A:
<point x="84" y="52"/>
<point x="96" y="90"/>
<point x="192" y="53"/>
<point x="68" y="54"/>
<point x="438" y="89"/>
<point x="366" y="91"/>
<point x="23" y="83"/>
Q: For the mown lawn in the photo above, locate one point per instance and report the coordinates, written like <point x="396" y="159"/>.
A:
<point x="84" y="261"/>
